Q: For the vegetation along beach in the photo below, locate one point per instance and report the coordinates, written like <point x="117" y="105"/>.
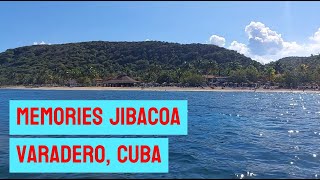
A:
<point x="152" y="65"/>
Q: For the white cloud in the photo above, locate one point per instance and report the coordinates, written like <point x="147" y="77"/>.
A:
<point x="316" y="36"/>
<point x="266" y="45"/>
<point x="41" y="43"/>
<point x="262" y="40"/>
<point x="217" y="40"/>
<point x="240" y="47"/>
<point x="147" y="40"/>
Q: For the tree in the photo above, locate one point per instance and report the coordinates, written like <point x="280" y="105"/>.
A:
<point x="167" y="77"/>
<point x="252" y="73"/>
<point x="192" y="79"/>
<point x="238" y="76"/>
<point x="271" y="72"/>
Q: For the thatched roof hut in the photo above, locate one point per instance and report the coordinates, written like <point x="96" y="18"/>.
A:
<point x="121" y="81"/>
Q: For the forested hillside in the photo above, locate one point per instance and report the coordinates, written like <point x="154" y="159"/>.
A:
<point x="294" y="71"/>
<point x="150" y="61"/>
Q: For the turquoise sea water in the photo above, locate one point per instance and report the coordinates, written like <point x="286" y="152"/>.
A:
<point x="230" y="135"/>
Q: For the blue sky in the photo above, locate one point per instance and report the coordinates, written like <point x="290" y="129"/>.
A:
<point x="24" y="23"/>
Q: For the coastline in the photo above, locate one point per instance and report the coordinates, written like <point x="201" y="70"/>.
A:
<point x="174" y="89"/>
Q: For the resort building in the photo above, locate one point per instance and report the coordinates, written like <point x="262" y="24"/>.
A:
<point x="209" y="78"/>
<point x="72" y="83"/>
<point x="121" y="81"/>
<point x="98" y="82"/>
<point x="213" y="79"/>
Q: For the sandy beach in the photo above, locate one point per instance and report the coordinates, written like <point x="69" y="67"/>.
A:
<point x="206" y="89"/>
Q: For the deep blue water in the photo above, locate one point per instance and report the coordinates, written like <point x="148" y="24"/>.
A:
<point x="258" y="135"/>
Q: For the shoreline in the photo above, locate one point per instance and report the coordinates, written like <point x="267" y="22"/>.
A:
<point x="164" y="89"/>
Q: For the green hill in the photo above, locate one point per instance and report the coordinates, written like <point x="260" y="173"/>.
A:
<point x="149" y="61"/>
<point x="292" y="63"/>
<point x="294" y="71"/>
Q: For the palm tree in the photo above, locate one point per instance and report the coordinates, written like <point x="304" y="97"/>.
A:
<point x="271" y="73"/>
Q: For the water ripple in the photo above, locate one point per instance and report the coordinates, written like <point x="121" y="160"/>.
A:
<point x="231" y="135"/>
